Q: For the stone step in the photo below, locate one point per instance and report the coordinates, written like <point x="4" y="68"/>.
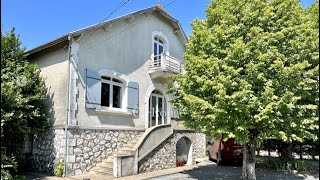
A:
<point x="105" y="165"/>
<point x="126" y="151"/>
<point x="102" y="172"/>
<point x="122" y="154"/>
<point x="102" y="168"/>
<point x="127" y="147"/>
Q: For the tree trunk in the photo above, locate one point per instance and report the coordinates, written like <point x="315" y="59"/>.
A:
<point x="285" y="152"/>
<point x="249" y="160"/>
<point x="244" y="164"/>
<point x="300" y="150"/>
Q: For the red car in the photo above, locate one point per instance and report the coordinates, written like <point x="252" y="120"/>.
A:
<point x="220" y="150"/>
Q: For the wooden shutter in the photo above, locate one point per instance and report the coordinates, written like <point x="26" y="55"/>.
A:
<point x="93" y="89"/>
<point x="133" y="97"/>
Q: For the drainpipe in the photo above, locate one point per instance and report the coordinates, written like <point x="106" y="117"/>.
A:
<point x="66" y="124"/>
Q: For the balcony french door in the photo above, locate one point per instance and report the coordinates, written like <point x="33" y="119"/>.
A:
<point x="157" y="51"/>
<point x="157" y="110"/>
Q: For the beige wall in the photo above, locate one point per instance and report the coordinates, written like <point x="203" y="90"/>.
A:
<point x="54" y="65"/>
<point x="126" y="47"/>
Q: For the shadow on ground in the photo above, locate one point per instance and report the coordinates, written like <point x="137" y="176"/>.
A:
<point x="231" y="172"/>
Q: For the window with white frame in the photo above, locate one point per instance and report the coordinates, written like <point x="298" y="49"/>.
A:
<point x="111" y="92"/>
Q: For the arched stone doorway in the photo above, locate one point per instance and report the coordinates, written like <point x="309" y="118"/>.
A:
<point x="184" y="151"/>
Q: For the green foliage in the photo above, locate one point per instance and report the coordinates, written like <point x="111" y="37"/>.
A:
<point x="252" y="67"/>
<point x="22" y="94"/>
<point x="19" y="177"/>
<point x="7" y="164"/>
<point x="277" y="164"/>
<point x="22" y="90"/>
<point x="58" y="170"/>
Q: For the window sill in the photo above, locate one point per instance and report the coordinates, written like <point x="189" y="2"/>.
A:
<point x="113" y="112"/>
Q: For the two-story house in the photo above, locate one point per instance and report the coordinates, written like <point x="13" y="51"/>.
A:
<point x="108" y="101"/>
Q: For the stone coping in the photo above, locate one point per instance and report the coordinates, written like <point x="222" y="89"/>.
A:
<point x="102" y="128"/>
<point x="183" y="130"/>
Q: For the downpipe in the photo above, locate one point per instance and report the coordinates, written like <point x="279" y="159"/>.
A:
<point x="66" y="124"/>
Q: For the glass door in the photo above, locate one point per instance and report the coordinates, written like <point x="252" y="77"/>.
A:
<point x="157" y="51"/>
<point x="157" y="110"/>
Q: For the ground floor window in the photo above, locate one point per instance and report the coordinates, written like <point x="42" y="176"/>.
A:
<point x="111" y="92"/>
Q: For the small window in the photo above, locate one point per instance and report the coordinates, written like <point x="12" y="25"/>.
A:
<point x="116" y="80"/>
<point x="106" y="78"/>
<point x="111" y="92"/>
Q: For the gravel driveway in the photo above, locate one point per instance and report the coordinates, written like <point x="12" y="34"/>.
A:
<point x="212" y="171"/>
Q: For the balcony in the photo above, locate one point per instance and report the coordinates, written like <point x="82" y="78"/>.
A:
<point x="163" y="64"/>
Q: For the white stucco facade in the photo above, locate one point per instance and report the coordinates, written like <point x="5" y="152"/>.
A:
<point x="122" y="48"/>
<point x="104" y="82"/>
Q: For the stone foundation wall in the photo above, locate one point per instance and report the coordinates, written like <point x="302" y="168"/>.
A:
<point x="85" y="148"/>
<point x="46" y="150"/>
<point x="164" y="156"/>
<point x="88" y="147"/>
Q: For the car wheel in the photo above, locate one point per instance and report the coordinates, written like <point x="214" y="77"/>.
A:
<point x="219" y="159"/>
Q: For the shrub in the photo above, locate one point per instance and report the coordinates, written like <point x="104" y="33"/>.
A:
<point x="58" y="170"/>
<point x="276" y="164"/>
<point x="8" y="164"/>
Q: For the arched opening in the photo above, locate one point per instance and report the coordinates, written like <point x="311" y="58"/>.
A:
<point x="184" y="152"/>
<point x="157" y="109"/>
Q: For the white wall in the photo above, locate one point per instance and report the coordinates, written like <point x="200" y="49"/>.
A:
<point x="125" y="47"/>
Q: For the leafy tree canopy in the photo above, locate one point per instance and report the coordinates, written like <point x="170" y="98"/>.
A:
<point x="252" y="69"/>
<point x="22" y="91"/>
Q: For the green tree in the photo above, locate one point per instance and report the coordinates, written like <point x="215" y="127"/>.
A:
<point x="251" y="73"/>
<point x="22" y="94"/>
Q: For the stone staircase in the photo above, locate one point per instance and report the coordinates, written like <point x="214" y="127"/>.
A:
<point x="106" y="166"/>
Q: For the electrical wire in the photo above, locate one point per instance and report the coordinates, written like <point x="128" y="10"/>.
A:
<point x="112" y="36"/>
<point x="121" y="4"/>
<point x="169" y="3"/>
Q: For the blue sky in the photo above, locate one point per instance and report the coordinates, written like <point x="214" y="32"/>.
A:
<point x="40" y="21"/>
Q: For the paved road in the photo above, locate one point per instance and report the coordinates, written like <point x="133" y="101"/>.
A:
<point x="206" y="170"/>
<point x="230" y="172"/>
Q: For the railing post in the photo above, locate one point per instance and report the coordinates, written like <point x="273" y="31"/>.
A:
<point x="163" y="61"/>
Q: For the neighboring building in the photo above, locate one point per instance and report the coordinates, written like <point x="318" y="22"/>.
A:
<point x="106" y="87"/>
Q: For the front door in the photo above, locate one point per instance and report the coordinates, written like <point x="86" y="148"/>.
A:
<point x="157" y="110"/>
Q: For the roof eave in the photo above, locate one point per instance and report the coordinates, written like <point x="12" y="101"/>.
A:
<point x="99" y="25"/>
<point x="47" y="45"/>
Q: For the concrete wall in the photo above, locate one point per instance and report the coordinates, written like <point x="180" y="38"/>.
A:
<point x="54" y="69"/>
<point x="125" y="47"/>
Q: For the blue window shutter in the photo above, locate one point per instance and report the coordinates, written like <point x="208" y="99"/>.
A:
<point x="93" y="89"/>
<point x="133" y="97"/>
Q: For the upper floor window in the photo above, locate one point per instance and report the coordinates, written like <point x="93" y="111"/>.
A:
<point x="111" y="92"/>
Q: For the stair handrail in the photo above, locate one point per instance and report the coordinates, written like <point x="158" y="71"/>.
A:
<point x="146" y="135"/>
